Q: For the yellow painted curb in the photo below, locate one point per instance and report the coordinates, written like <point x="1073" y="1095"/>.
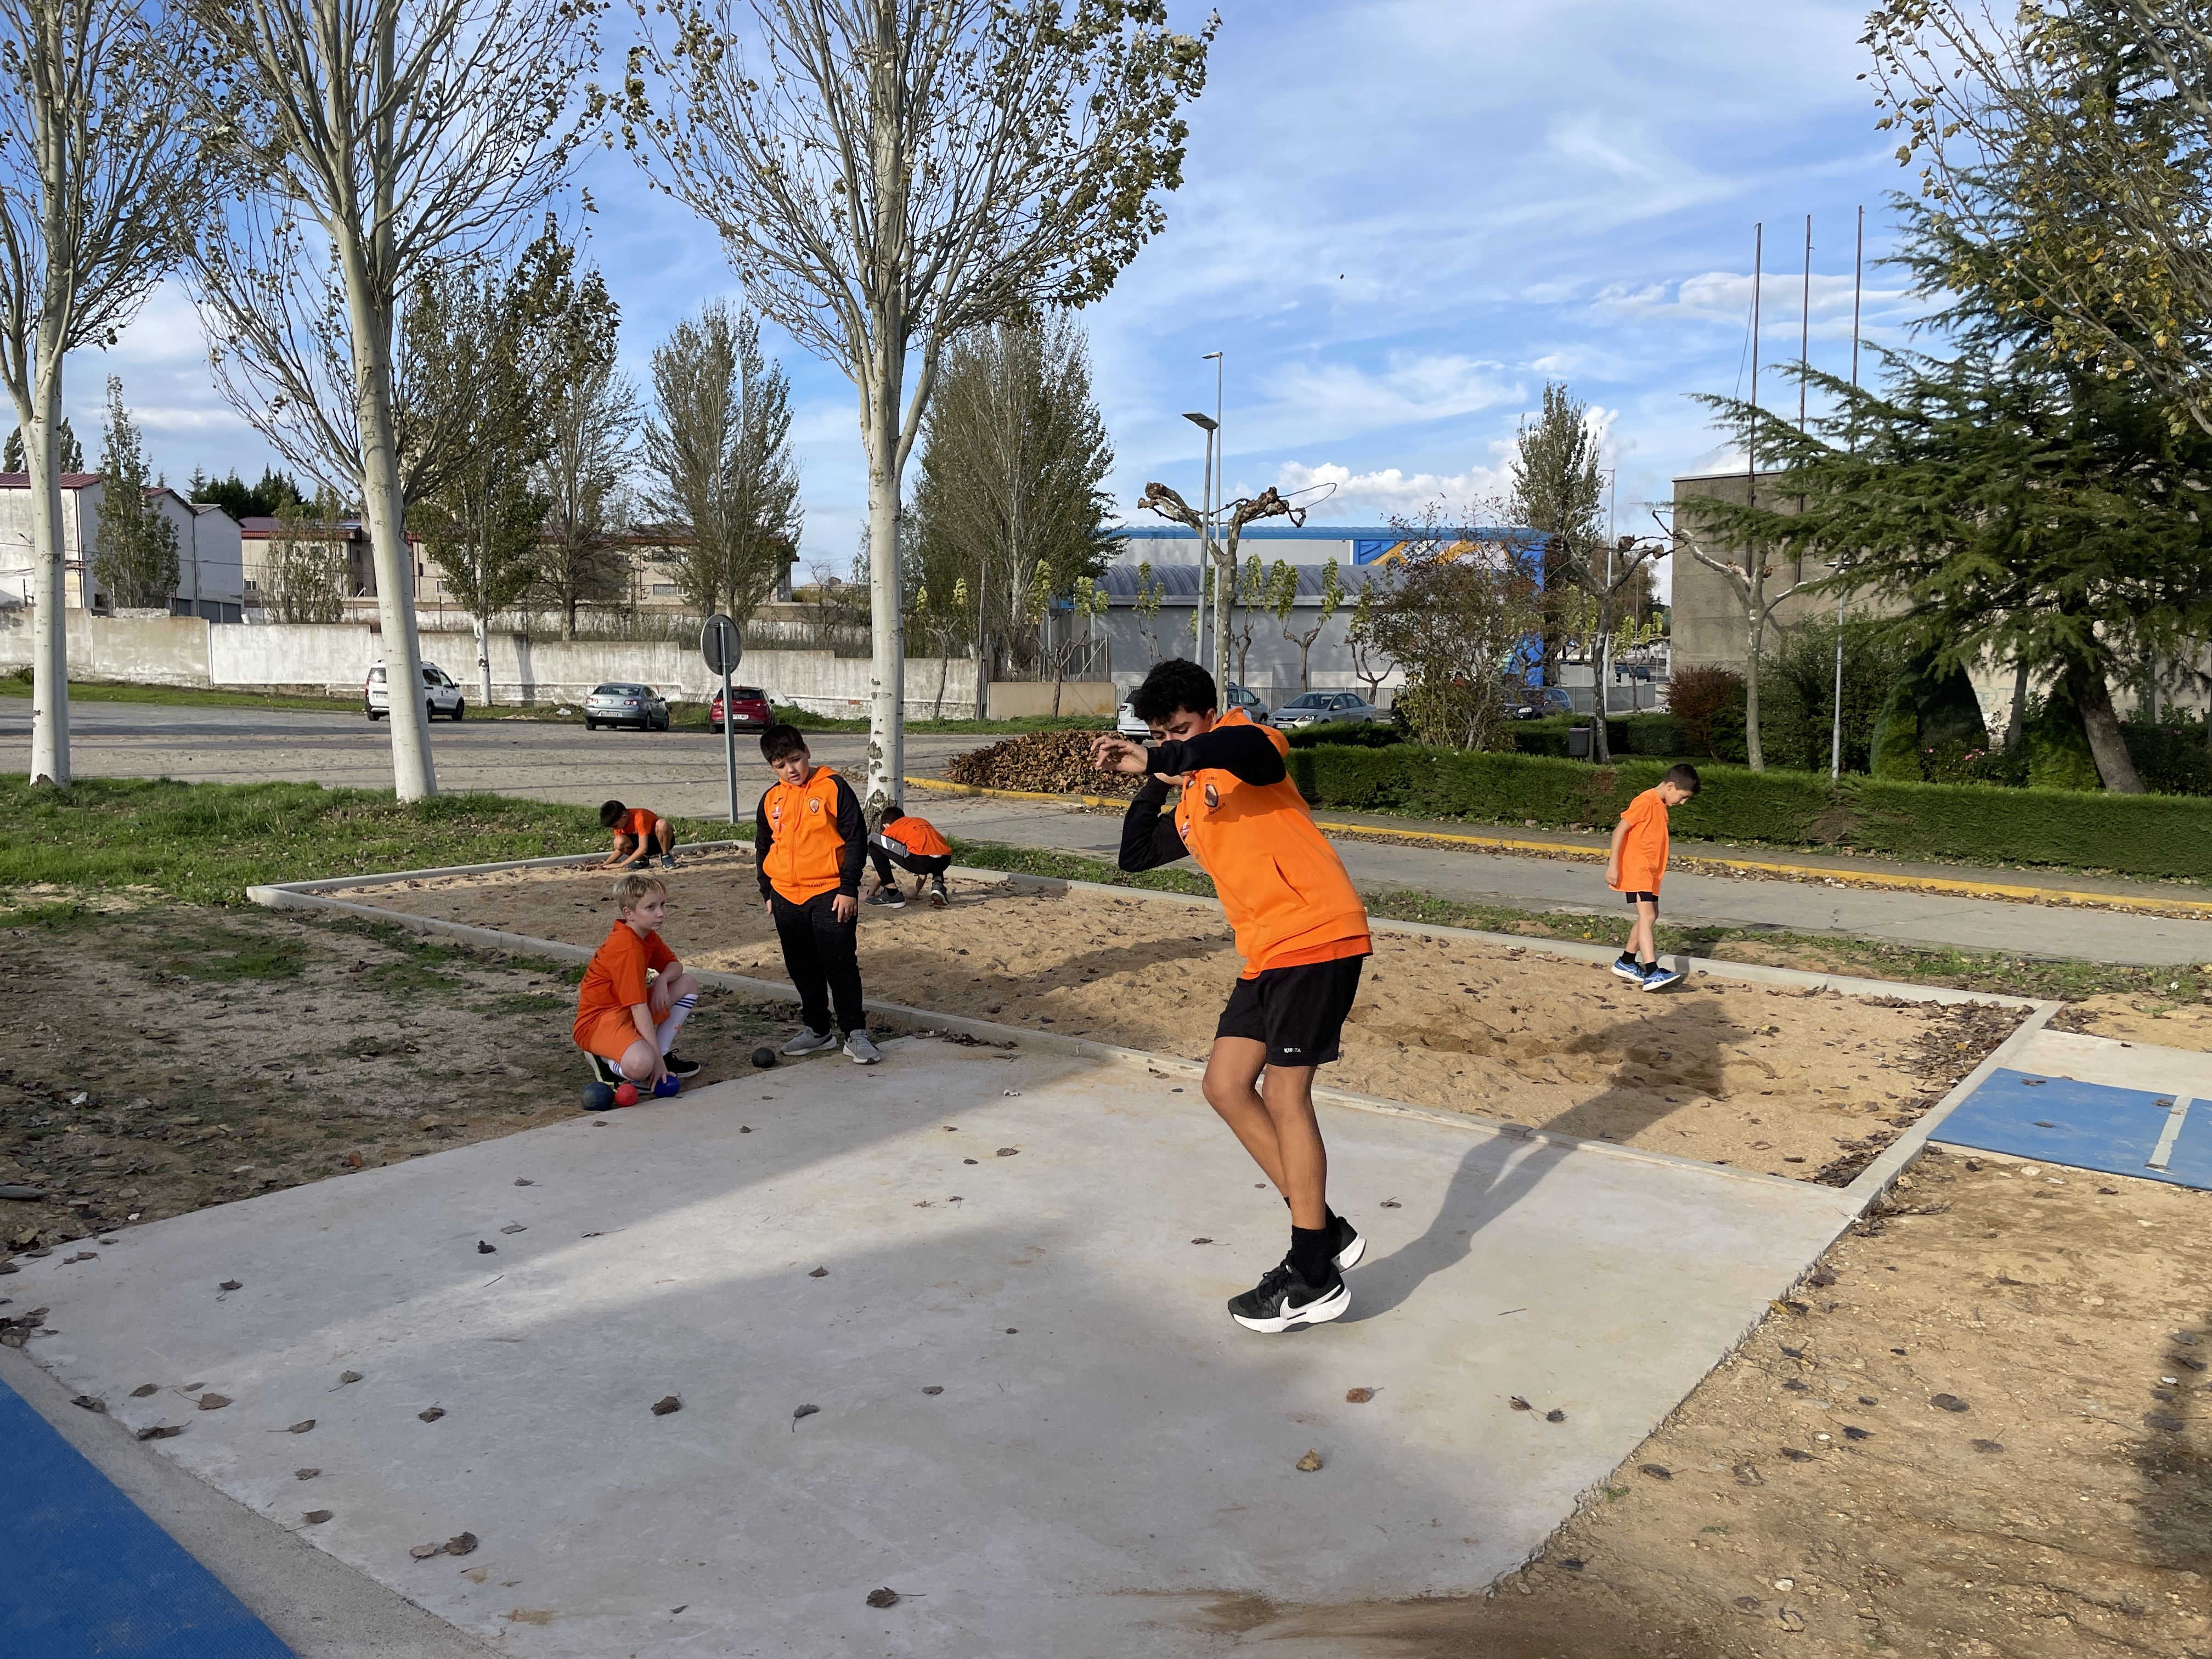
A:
<point x="1591" y="854"/>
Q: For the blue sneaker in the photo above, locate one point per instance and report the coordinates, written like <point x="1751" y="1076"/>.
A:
<point x="1656" y="978"/>
<point x="1628" y="968"/>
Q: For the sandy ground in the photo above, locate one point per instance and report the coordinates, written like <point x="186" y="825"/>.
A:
<point x="154" y="1061"/>
<point x="1804" y="1085"/>
<point x="2065" y="1510"/>
<point x="2131" y="1018"/>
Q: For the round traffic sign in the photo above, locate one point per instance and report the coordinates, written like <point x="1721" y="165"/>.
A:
<point x="718" y="642"/>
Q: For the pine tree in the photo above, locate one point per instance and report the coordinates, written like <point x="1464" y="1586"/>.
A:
<point x="135" y="561"/>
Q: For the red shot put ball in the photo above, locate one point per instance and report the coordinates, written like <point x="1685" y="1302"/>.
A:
<point x="626" y="1094"/>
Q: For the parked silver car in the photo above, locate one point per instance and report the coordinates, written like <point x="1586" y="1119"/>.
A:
<point x="1129" y="726"/>
<point x="1326" y="708"/>
<point x="440" y="694"/>
<point x="621" y="704"/>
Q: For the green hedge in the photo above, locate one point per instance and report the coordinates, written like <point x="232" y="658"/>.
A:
<point x="1625" y="734"/>
<point x="2150" y="835"/>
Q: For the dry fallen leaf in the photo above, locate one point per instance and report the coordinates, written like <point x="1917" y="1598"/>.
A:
<point x="934" y="1387"/>
<point x="90" y="1403"/>
<point x="1520" y="1404"/>
<point x="305" y="1474"/>
<point x="433" y="1415"/>
<point x="145" y="1388"/>
<point x="230" y="1284"/>
<point x="514" y="1227"/>
<point x="804" y="1410"/>
<point x="485" y="1247"/>
<point x="1309" y="1462"/>
<point x="1358" y="1396"/>
<point x="302" y="1426"/>
<point x="461" y="1543"/>
<point x="819" y="1272"/>
<point x="315" y="1517"/>
<point x="1656" y="1471"/>
<point x="213" y="1403"/>
<point x="167" y="1431"/>
<point x="1555" y="1415"/>
<point x="882" y="1598"/>
<point x="424" y="1552"/>
<point x="519" y="1182"/>
<point x="666" y="1403"/>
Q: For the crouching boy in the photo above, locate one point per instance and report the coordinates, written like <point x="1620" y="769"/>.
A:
<point x="635" y="996"/>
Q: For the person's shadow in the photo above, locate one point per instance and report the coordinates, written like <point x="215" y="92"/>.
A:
<point x="1495" y="1172"/>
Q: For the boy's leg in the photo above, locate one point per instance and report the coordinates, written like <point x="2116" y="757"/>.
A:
<point x="837" y="946"/>
<point x="1645" y="937"/>
<point x="882" y="861"/>
<point x="671" y="1001"/>
<point x="1231" y="1088"/>
<point x="802" y="960"/>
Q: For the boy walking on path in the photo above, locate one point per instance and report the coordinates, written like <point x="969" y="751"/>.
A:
<point x="1303" y="932"/>
<point x="1636" y="866"/>
<point x="637" y="831"/>
<point x="914" y="846"/>
<point x="626" y="1026"/>
<point x="809" y="839"/>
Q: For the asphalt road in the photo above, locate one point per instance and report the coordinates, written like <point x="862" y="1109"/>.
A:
<point x="681" y="773"/>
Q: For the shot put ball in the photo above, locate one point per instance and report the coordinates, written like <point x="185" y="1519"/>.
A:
<point x="626" y="1094"/>
<point x="763" y="1057"/>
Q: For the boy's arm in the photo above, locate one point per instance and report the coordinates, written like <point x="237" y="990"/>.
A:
<point x="1245" y="752"/>
<point x="853" y="827"/>
<point x="1613" y="857"/>
<point x="1149" y="838"/>
<point x="763" y="838"/>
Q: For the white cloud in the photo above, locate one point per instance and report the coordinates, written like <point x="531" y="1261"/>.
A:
<point x="1390" y="493"/>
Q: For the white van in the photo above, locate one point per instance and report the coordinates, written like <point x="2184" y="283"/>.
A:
<point x="440" y="694"/>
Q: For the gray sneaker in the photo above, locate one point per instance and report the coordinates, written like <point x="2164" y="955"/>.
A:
<point x="810" y="1042"/>
<point x="861" y="1049"/>
<point x="668" y="861"/>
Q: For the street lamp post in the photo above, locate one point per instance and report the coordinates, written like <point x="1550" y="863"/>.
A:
<point x="1211" y="427"/>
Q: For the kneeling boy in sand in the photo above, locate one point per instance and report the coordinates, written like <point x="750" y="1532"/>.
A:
<point x="626" y="1026"/>
<point x="1303" y="932"/>
<point x="914" y="846"/>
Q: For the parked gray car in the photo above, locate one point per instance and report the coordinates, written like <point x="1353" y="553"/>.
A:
<point x="618" y="703"/>
<point x="1326" y="709"/>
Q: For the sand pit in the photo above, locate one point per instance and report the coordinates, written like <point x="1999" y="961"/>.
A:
<point x="1804" y="1085"/>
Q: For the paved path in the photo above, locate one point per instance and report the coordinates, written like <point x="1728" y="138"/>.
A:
<point x="681" y="772"/>
<point x="1036" y="1422"/>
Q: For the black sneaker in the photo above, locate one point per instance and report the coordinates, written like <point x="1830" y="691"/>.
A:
<point x="677" y="1066"/>
<point x="1282" y="1299"/>
<point x="938" y="898"/>
<point x="890" y="897"/>
<point x="1346" y="1246"/>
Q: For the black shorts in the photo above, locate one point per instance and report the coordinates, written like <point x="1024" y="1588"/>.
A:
<point x="1651" y="899"/>
<point x="1297" y="1012"/>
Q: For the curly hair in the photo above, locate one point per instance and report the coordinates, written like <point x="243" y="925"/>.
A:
<point x="1175" y="686"/>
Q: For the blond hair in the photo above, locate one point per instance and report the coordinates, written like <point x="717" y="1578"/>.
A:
<point x="632" y="887"/>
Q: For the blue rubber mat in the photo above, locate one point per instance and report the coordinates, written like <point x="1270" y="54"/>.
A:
<point x="2087" y="1126"/>
<point x="85" y="1574"/>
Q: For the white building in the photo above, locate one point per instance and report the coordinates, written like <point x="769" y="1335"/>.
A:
<point x="210" y="573"/>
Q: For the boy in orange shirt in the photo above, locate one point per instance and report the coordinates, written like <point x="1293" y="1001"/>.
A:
<point x="1635" y="868"/>
<point x="914" y="846"/>
<point x="809" y="840"/>
<point x="625" y="1025"/>
<point x="1303" y="932"/>
<point x="637" y="831"/>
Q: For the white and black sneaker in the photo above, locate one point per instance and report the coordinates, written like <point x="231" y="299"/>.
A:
<point x="677" y="1066"/>
<point x="809" y="1042"/>
<point x="606" y="1071"/>
<point x="890" y="897"/>
<point x="938" y="897"/>
<point x="1346" y="1246"/>
<point x="861" y="1049"/>
<point x="1282" y="1299"/>
<point x="1626" y="967"/>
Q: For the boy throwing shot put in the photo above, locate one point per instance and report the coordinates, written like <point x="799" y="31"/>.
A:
<point x="1636" y="866"/>
<point x="914" y="846"/>
<point x="809" y="840"/>
<point x="638" y="831"/>
<point x="625" y="1025"/>
<point x="1303" y="932"/>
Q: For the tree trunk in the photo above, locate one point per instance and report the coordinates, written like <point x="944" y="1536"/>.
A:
<point x="1601" y="751"/>
<point x="483" y="657"/>
<point x="2107" y="744"/>
<point x="2016" y="727"/>
<point x="50" y="711"/>
<point x="887" y="665"/>
<point x="1753" y="752"/>
<point x="413" y="777"/>
<point x="1224" y="591"/>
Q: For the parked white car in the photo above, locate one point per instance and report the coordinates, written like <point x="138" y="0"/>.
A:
<point x="440" y="694"/>
<point x="1130" y="727"/>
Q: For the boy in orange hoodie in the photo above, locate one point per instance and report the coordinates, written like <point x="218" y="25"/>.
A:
<point x="1303" y="932"/>
<point x="1636" y="866"/>
<point x="809" y="840"/>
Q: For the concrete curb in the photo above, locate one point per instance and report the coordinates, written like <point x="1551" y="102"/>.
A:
<point x="2009" y="891"/>
<point x="314" y="1602"/>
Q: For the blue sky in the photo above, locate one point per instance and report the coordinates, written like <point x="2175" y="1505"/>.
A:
<point x="1400" y="218"/>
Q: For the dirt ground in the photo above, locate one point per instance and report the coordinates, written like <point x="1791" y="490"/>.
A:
<point x="155" y="1061"/>
<point x="2171" y="1024"/>
<point x="1795" y="1084"/>
<point x="2056" y="1502"/>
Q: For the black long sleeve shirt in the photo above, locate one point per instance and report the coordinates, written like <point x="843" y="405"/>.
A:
<point x="1149" y="838"/>
<point x="852" y="828"/>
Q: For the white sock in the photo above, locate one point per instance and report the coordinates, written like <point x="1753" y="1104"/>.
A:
<point x="678" y="1011"/>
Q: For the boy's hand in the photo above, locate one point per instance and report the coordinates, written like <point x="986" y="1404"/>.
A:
<point x="1613" y="873"/>
<point x="844" y="906"/>
<point x="1114" y="754"/>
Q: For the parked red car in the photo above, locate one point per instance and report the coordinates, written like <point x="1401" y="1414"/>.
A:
<point x="749" y="710"/>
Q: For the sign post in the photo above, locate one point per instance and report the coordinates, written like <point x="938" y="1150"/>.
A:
<point x="719" y="645"/>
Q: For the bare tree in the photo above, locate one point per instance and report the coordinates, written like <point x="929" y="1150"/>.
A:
<point x="889" y="172"/>
<point x="1268" y="504"/>
<point x="1747" y="579"/>
<point x="719" y="444"/>
<point x="379" y="137"/>
<point x="1370" y="662"/>
<point x="97" y="182"/>
<point x="1282" y="595"/>
<point x="1627" y="562"/>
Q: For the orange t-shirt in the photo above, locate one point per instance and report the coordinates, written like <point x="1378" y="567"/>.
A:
<point x="614" y="982"/>
<point x="1282" y="885"/>
<point x="638" y="822"/>
<point x="917" y="837"/>
<point x="1643" y="850"/>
